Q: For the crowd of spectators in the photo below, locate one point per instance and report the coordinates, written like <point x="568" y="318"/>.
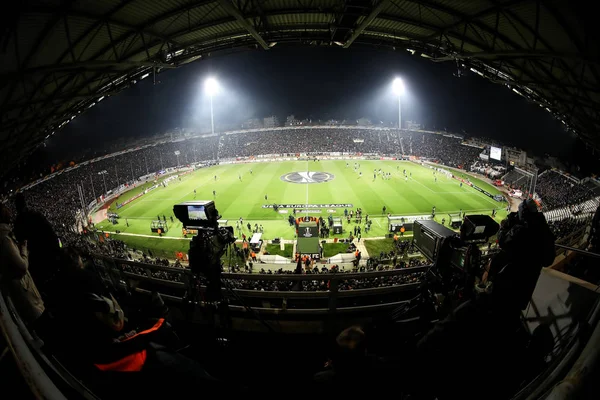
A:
<point x="311" y="284"/>
<point x="158" y="274"/>
<point x="58" y="198"/>
<point x="351" y="284"/>
<point x="555" y="190"/>
<point x="314" y="284"/>
<point x="127" y="167"/>
<point x="100" y="176"/>
<point x="447" y="150"/>
<point x="487" y="169"/>
<point x="563" y="228"/>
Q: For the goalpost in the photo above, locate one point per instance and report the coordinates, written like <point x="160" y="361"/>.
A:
<point x="521" y="179"/>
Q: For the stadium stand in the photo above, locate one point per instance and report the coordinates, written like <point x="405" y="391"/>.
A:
<point x="566" y="197"/>
<point x="125" y="168"/>
<point x="486" y="169"/>
<point x="556" y="190"/>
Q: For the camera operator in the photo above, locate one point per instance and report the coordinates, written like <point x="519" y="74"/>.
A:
<point x="526" y="246"/>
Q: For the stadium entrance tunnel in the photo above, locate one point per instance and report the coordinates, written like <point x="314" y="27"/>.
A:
<point x="307" y="177"/>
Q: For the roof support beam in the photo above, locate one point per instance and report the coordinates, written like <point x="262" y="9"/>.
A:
<point x="366" y="22"/>
<point x="85" y="66"/>
<point x="234" y="12"/>
<point x="468" y="18"/>
<point x="105" y="19"/>
<point x="515" y="54"/>
<point x="61" y="99"/>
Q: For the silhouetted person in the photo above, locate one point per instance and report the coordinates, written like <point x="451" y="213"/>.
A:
<point x="14" y="275"/>
<point x="89" y="331"/>
<point x="42" y="242"/>
<point x="350" y="368"/>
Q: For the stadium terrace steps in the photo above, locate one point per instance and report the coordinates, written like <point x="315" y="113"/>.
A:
<point x="579" y="211"/>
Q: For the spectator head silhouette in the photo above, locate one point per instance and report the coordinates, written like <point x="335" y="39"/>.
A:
<point x="351" y="348"/>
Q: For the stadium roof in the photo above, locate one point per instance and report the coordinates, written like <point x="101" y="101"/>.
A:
<point x="61" y="57"/>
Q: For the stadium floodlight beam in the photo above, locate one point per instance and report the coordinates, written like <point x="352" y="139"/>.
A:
<point x="398" y="87"/>
<point x="212" y="87"/>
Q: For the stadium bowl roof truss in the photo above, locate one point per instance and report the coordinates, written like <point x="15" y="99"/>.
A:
<point x="61" y="57"/>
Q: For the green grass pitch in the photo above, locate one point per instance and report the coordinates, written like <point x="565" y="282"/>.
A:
<point x="244" y="198"/>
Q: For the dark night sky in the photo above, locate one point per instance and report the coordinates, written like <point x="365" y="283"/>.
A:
<point x="318" y="83"/>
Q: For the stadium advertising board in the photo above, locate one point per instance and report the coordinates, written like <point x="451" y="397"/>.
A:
<point x="137" y="196"/>
<point x="488" y="194"/>
<point x="495" y="153"/>
<point x="306" y="206"/>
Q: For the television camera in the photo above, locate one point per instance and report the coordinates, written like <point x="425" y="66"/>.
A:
<point x="468" y="306"/>
<point x="502" y="282"/>
<point x="209" y="245"/>
<point x="456" y="257"/>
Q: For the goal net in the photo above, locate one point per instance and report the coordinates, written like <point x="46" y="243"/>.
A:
<point x="519" y="179"/>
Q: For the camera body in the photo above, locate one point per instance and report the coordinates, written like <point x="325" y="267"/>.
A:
<point x="197" y="214"/>
<point x="429" y="237"/>
<point x="526" y="246"/>
<point x="210" y="243"/>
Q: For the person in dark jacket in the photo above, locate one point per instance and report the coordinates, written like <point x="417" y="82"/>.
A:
<point x="351" y="368"/>
<point x="43" y="245"/>
<point x="14" y="274"/>
<point x="92" y="333"/>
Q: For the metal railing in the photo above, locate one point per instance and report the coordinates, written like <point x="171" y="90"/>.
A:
<point x="16" y="338"/>
<point x="135" y="275"/>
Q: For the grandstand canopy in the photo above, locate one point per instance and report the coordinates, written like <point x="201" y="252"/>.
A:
<point x="61" y="57"/>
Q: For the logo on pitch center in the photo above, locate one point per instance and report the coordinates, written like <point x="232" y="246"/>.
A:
<point x="307" y="177"/>
<point x="307" y="233"/>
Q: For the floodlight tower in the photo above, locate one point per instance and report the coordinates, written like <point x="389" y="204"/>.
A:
<point x="211" y="87"/>
<point x="398" y="87"/>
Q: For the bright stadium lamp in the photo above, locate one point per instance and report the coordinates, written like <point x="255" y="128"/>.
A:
<point x="398" y="88"/>
<point x="211" y="86"/>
